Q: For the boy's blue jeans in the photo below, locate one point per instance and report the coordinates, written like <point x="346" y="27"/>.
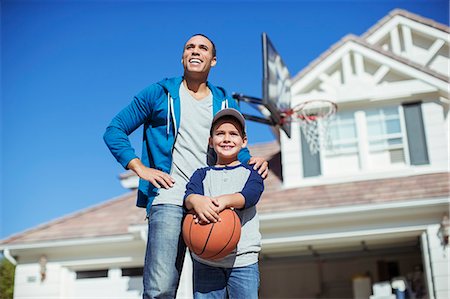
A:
<point x="234" y="283"/>
<point x="165" y="252"/>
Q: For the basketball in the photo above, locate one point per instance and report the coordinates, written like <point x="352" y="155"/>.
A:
<point x="212" y="241"/>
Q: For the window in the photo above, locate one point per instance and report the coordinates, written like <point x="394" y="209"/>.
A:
<point x="92" y="274"/>
<point x="381" y="138"/>
<point x="384" y="133"/>
<point x="133" y="272"/>
<point x="342" y="130"/>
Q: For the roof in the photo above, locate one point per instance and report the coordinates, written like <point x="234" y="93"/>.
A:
<point x="109" y="218"/>
<point x="362" y="41"/>
<point x="115" y="216"/>
<point x="426" y="186"/>
<point x="409" y="15"/>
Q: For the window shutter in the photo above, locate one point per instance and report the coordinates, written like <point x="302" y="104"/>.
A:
<point x="311" y="163"/>
<point x="415" y="132"/>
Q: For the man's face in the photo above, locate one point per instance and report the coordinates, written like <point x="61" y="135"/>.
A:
<point x="198" y="55"/>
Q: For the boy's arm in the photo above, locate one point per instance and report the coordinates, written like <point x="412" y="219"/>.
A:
<point x="235" y="200"/>
<point x="205" y="208"/>
<point x="248" y="197"/>
<point x="253" y="189"/>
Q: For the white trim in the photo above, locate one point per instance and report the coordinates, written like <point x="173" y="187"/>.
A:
<point x="9" y="257"/>
<point x="432" y="51"/>
<point x="354" y="209"/>
<point x="407" y="39"/>
<point x="427" y="264"/>
<point x="363" y="143"/>
<point x="395" y="40"/>
<point x="406" y="171"/>
<point x="393" y="64"/>
<point x="405" y="140"/>
<point x="107" y="261"/>
<point x="140" y="229"/>
<point x="131" y="182"/>
<point x="340" y="235"/>
<point x="71" y="242"/>
<point x="381" y="32"/>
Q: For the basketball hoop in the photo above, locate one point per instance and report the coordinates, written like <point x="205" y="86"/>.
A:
<point x="314" y="118"/>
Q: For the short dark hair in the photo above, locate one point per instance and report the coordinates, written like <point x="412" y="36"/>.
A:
<point x="214" y="52"/>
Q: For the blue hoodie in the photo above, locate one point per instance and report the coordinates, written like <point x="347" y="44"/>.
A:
<point x="157" y="107"/>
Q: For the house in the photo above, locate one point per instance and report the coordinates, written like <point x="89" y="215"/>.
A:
<point x="371" y="208"/>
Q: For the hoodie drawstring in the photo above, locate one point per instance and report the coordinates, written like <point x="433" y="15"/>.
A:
<point x="171" y="115"/>
<point x="168" y="114"/>
<point x="224" y="104"/>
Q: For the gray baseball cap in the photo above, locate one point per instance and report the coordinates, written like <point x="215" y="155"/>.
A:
<point x="229" y="112"/>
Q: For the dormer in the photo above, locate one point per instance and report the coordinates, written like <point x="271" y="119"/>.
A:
<point x="392" y="117"/>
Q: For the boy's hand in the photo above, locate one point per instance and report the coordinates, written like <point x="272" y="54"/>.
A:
<point x="205" y="208"/>
<point x="261" y="165"/>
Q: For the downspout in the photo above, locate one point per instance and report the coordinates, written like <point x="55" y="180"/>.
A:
<point x="9" y="257"/>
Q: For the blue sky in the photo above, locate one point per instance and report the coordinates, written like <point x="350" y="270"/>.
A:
<point x="68" y="66"/>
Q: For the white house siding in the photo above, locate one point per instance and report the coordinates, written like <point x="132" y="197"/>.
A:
<point x="291" y="157"/>
<point x="436" y="132"/>
<point x="28" y="282"/>
<point x="113" y="286"/>
<point x="440" y="263"/>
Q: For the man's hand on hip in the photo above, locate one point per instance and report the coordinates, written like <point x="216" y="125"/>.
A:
<point x="157" y="177"/>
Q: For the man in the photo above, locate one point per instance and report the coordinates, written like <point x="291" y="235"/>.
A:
<point x="176" y="114"/>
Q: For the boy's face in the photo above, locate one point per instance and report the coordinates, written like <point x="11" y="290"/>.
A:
<point x="227" y="140"/>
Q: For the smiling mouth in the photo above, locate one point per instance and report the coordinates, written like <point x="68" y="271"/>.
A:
<point x="227" y="147"/>
<point x="195" y="61"/>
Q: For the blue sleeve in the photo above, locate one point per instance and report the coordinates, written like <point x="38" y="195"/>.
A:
<point x="253" y="189"/>
<point x="126" y="121"/>
<point x="195" y="184"/>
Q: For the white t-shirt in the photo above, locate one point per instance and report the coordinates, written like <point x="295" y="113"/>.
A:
<point x="190" y="147"/>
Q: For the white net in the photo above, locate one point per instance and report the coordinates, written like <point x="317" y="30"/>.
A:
<point x="316" y="134"/>
<point x="314" y="117"/>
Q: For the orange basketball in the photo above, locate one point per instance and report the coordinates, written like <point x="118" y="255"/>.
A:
<point x="214" y="240"/>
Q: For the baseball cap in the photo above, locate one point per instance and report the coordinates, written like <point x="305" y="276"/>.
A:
<point x="229" y="112"/>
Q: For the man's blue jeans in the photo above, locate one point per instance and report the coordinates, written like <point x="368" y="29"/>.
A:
<point x="165" y="252"/>
<point x="234" y="283"/>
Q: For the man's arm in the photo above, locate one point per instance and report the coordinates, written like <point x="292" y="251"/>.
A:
<point x="261" y="165"/>
<point x="126" y="122"/>
<point x="156" y="177"/>
<point x="122" y="125"/>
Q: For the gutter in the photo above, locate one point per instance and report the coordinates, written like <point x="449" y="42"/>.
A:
<point x="9" y="257"/>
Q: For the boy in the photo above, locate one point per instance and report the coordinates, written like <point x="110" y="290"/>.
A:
<point x="228" y="184"/>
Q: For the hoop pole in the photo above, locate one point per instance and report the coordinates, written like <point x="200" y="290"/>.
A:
<point x="253" y="101"/>
<point x="247" y="99"/>
<point x="258" y="119"/>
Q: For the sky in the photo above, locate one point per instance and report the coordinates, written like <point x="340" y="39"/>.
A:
<point x="67" y="67"/>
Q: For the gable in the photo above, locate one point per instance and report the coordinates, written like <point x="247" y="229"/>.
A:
<point x="354" y="70"/>
<point x="417" y="39"/>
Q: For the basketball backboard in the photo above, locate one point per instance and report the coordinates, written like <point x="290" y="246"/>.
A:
<point x="276" y="84"/>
